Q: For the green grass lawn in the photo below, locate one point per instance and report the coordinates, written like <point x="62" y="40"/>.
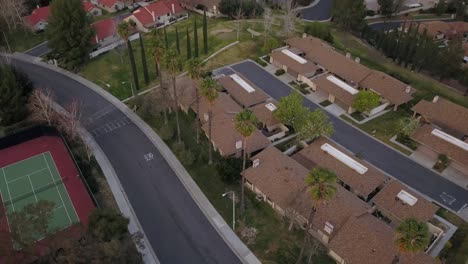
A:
<point x="22" y="39"/>
<point x="273" y="243"/>
<point x="455" y="251"/>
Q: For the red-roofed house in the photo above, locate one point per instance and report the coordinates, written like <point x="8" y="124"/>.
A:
<point x="38" y="18"/>
<point x="157" y="14"/>
<point x="105" y="32"/>
<point x="91" y="9"/>
<point x="111" y="6"/>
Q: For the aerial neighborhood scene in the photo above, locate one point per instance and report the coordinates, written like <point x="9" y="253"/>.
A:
<point x="234" y="131"/>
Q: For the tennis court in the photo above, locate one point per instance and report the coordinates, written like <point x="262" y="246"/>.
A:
<point x="33" y="179"/>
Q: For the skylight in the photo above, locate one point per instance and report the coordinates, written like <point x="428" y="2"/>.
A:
<point x="271" y="106"/>
<point x="347" y="160"/>
<point x="407" y="198"/>
<point x="242" y="83"/>
<point x="450" y="139"/>
<point x="294" y="56"/>
<point x="342" y="84"/>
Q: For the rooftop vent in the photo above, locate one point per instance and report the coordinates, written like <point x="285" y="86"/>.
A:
<point x="357" y="60"/>
<point x="450" y="139"/>
<point x="328" y="228"/>
<point x="408" y="89"/>
<point x="271" y="106"/>
<point x="342" y="85"/>
<point x="348" y="161"/>
<point x="436" y="98"/>
<point x="256" y="162"/>
<point x="293" y="56"/>
<point x="407" y="198"/>
<point x="348" y="55"/>
<point x="242" y="83"/>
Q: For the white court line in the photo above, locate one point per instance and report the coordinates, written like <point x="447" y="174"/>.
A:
<point x="51" y="175"/>
<point x="9" y="165"/>
<point x="8" y="189"/>
<point x="27" y="175"/>
<point x="32" y="188"/>
<point x="8" y="223"/>
<point x="69" y="198"/>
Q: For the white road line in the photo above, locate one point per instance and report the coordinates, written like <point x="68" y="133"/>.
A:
<point x="8" y="189"/>
<point x="32" y="188"/>
<point x="69" y="198"/>
<point x="51" y="175"/>
<point x="27" y="175"/>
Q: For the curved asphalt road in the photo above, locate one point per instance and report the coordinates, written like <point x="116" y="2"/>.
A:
<point x="392" y="162"/>
<point x="176" y="228"/>
<point x="322" y="11"/>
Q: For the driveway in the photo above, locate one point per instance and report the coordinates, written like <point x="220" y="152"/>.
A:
<point x="385" y="158"/>
<point x="39" y="50"/>
<point x="175" y="226"/>
<point x="320" y="11"/>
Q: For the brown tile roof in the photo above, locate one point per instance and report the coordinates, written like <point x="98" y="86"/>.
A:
<point x="186" y="91"/>
<point x="323" y="54"/>
<point x="434" y="28"/>
<point x="223" y="107"/>
<point x="423" y="136"/>
<point x="365" y="240"/>
<point x="278" y="176"/>
<point x="420" y="258"/>
<point x="387" y="201"/>
<point x="445" y="114"/>
<point x="326" y="85"/>
<point x="307" y="69"/>
<point x="265" y="115"/>
<point x="365" y="184"/>
<point x="388" y="87"/>
<point x="240" y="94"/>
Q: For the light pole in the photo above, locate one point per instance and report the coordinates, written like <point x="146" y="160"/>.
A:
<point x="131" y="88"/>
<point x="233" y="208"/>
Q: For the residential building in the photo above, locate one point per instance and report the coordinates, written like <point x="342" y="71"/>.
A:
<point x="354" y="174"/>
<point x="441" y="30"/>
<point x="157" y="14"/>
<point x="199" y="6"/>
<point x="111" y="6"/>
<point x="291" y="61"/>
<point x="271" y="126"/>
<point x="397" y="202"/>
<point x="91" y="9"/>
<point x="38" y="18"/>
<point x="243" y="91"/>
<point x="106" y="32"/>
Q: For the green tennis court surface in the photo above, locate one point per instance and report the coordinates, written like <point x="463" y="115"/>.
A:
<point x="34" y="179"/>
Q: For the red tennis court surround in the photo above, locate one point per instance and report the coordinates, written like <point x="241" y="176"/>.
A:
<point x="65" y="165"/>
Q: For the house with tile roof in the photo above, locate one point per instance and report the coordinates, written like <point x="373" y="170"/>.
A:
<point x="111" y="6"/>
<point x="157" y="14"/>
<point x="242" y="90"/>
<point x="106" y="32"/>
<point x="38" y="18"/>
<point x="91" y="9"/>
<point x="199" y="6"/>
<point x="270" y="125"/>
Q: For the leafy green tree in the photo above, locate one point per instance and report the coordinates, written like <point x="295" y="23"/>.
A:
<point x="185" y="156"/>
<point x="321" y="187"/>
<point x="290" y="111"/>
<point x="195" y="37"/>
<point x="386" y="7"/>
<point x="143" y="60"/>
<point x="107" y="225"/>
<point x="123" y="29"/>
<point x="448" y="61"/>
<point x="69" y="33"/>
<point x="407" y="126"/>
<point x="177" y="41"/>
<point x="366" y="101"/>
<point x="269" y="45"/>
<point x="319" y="30"/>
<point x="228" y="168"/>
<point x="412" y="236"/>
<point x="189" y="48"/>
<point x="246" y="124"/>
<point x="173" y="65"/>
<point x="316" y="124"/>
<point x="349" y="14"/>
<point x="15" y="89"/>
<point x="440" y="7"/>
<point x="205" y="32"/>
<point x="209" y="92"/>
<point x="193" y="68"/>
<point x="250" y="9"/>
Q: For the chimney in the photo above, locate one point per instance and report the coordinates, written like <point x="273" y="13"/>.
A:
<point x="152" y="14"/>
<point x="304" y="35"/>
<point x="97" y="39"/>
<point x="357" y="60"/>
<point x="37" y="6"/>
<point x="436" y="98"/>
<point x="348" y="55"/>
<point x="173" y="9"/>
<point x="408" y="89"/>
<point x="256" y="162"/>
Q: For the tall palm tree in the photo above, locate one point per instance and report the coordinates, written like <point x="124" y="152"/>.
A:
<point x="193" y="68"/>
<point x="157" y="51"/>
<point x="123" y="29"/>
<point x="321" y="187"/>
<point x="412" y="237"/>
<point x="173" y="65"/>
<point x="246" y="124"/>
<point x="209" y="92"/>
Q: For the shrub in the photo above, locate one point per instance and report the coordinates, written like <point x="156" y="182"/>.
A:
<point x="184" y="155"/>
<point x="166" y="132"/>
<point x="370" y="13"/>
<point x="200" y="7"/>
<point x="319" y="30"/>
<point x="229" y="169"/>
<point x="442" y="163"/>
<point x="280" y="72"/>
<point x="261" y="62"/>
<point x="249" y="8"/>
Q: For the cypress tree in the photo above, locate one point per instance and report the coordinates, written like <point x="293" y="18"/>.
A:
<point x="143" y="60"/>
<point x="195" y="37"/>
<point x="124" y="31"/>
<point x="166" y="42"/>
<point x="189" y="48"/>
<point x="205" y="32"/>
<point x="177" y="40"/>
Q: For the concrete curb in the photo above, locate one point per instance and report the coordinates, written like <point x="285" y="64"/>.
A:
<point x="228" y="235"/>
